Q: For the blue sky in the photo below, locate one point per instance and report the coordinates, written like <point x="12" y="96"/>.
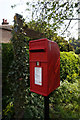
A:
<point x="8" y="13"/>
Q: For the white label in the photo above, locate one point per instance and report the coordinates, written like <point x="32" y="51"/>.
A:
<point x="38" y="75"/>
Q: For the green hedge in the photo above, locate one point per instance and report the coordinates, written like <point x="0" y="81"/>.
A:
<point x="69" y="66"/>
<point x="7" y="58"/>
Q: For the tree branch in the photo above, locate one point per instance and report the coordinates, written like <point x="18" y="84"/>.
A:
<point x="66" y="27"/>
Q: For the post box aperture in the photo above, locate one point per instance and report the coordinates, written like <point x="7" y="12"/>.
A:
<point x="44" y="59"/>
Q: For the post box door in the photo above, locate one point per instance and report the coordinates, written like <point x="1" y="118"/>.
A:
<point x="38" y="80"/>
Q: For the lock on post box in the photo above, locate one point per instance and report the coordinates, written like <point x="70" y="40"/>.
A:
<point x="44" y="59"/>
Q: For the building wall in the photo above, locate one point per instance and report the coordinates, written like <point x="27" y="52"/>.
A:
<point x="5" y="36"/>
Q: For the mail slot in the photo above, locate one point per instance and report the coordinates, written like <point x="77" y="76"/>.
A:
<point x="44" y="59"/>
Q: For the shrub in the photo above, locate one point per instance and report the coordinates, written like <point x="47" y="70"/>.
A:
<point x="77" y="51"/>
<point x="7" y="58"/>
<point x="65" y="102"/>
<point x="34" y="107"/>
<point x="18" y="75"/>
<point x="8" y="111"/>
<point x="69" y="66"/>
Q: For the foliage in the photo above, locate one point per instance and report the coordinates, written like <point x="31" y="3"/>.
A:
<point x="41" y="27"/>
<point x="69" y="66"/>
<point x="19" y="70"/>
<point x="7" y="58"/>
<point x="8" y="112"/>
<point x="76" y="44"/>
<point x="51" y="14"/>
<point x="34" y="107"/>
<point x="65" y="103"/>
<point x="77" y="50"/>
<point x="63" y="44"/>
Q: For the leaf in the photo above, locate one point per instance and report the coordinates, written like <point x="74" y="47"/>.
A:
<point x="13" y="6"/>
<point x="28" y="9"/>
<point x="33" y="6"/>
<point x="28" y="3"/>
<point x="42" y="2"/>
<point x="76" y="4"/>
<point x="63" y="4"/>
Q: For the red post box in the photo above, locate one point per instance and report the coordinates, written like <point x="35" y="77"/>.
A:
<point x="44" y="58"/>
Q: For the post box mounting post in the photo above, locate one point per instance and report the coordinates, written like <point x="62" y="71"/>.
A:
<point x="46" y="107"/>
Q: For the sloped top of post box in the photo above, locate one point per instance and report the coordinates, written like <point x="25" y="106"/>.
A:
<point x="38" y="40"/>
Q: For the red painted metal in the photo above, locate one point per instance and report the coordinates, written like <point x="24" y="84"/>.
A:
<point x="46" y="54"/>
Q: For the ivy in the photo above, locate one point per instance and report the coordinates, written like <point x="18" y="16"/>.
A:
<point x="19" y="71"/>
